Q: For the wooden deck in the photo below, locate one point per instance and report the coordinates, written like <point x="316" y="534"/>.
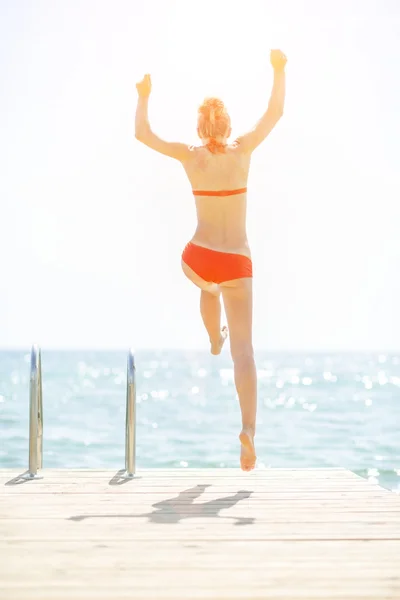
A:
<point x="206" y="534"/>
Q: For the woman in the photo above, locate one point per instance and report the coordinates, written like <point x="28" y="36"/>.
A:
<point x="218" y="259"/>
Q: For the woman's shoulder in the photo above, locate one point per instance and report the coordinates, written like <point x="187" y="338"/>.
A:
<point x="236" y="144"/>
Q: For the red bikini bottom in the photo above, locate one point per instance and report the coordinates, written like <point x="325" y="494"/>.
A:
<point x="214" y="266"/>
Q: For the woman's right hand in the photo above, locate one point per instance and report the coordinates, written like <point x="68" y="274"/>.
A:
<point x="144" y="86"/>
<point x="278" y="60"/>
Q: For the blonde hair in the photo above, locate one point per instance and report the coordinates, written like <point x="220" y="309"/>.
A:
<point x="213" y="122"/>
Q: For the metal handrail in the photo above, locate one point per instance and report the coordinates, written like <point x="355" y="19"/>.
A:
<point x="35" y="414"/>
<point x="130" y="423"/>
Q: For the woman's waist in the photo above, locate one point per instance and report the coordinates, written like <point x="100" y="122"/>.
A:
<point x="228" y="246"/>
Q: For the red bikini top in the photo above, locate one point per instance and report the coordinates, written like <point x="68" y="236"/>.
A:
<point x="219" y="192"/>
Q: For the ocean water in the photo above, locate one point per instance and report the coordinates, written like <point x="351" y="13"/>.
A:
<point x="315" y="410"/>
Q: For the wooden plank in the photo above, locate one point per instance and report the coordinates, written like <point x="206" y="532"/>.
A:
<point x="267" y="518"/>
<point x="165" y="475"/>
<point x="276" y="533"/>
<point x="168" y="483"/>
<point x="279" y="551"/>
<point x="116" y="528"/>
<point x="280" y="494"/>
<point x="208" y="485"/>
<point x="222" y="583"/>
<point x="245" y="590"/>
<point x="204" y="555"/>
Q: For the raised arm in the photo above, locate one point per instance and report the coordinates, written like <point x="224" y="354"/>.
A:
<point x="274" y="112"/>
<point x="143" y="131"/>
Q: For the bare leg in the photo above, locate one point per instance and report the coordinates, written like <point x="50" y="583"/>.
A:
<point x="210" y="308"/>
<point x="238" y="306"/>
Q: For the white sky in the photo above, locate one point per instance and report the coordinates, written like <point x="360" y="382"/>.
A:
<point x="92" y="223"/>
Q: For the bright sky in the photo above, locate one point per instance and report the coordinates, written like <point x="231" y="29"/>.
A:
<point x="93" y="223"/>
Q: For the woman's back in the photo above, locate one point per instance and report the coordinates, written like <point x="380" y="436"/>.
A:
<point x="221" y="219"/>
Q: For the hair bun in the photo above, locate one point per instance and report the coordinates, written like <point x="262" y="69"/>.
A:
<point x="214" y="103"/>
<point x="212" y="108"/>
<point x="213" y="124"/>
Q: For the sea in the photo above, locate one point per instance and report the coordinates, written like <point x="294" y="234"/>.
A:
<point x="314" y="410"/>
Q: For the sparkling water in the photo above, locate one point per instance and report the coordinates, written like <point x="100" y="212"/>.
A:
<point x="314" y="410"/>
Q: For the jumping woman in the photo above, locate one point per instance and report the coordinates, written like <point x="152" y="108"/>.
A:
<point x="217" y="259"/>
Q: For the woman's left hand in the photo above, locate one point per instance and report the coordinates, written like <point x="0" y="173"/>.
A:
<point x="144" y="87"/>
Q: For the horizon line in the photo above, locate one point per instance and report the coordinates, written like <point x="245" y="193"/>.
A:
<point x="191" y="349"/>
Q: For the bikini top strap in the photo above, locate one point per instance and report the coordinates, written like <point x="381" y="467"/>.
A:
<point x="219" y="192"/>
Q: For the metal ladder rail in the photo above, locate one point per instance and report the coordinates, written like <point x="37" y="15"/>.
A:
<point x="130" y="422"/>
<point x="35" y="414"/>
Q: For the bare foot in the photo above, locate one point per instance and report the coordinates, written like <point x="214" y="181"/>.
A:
<point x="248" y="453"/>
<point x="216" y="346"/>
